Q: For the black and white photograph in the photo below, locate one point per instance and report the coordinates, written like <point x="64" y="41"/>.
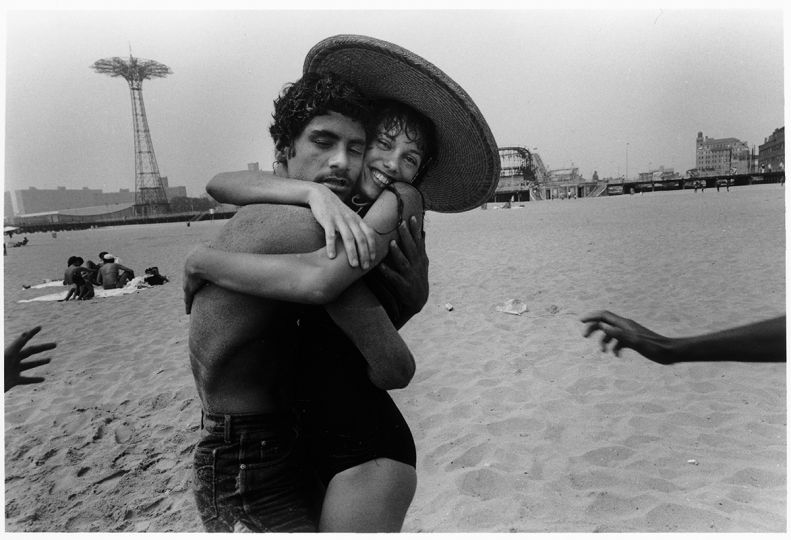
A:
<point x="423" y="268"/>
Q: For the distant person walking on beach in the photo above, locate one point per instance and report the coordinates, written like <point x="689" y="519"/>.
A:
<point x="112" y="275"/>
<point x="763" y="341"/>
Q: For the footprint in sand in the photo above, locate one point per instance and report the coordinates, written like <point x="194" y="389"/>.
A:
<point x="470" y="458"/>
<point x="585" y="385"/>
<point x="608" y="455"/>
<point x="759" y="478"/>
<point x="123" y="433"/>
<point x="515" y="426"/>
<point x="485" y="484"/>
<point x="45" y="456"/>
<point x="608" y="504"/>
<point x="675" y="517"/>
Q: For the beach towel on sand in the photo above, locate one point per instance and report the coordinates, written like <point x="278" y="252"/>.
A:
<point x="133" y="286"/>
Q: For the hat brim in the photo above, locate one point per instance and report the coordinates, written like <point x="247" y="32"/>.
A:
<point x="466" y="169"/>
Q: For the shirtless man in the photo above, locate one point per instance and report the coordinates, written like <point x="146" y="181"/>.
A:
<point x="113" y="275"/>
<point x="250" y="469"/>
<point x="79" y="278"/>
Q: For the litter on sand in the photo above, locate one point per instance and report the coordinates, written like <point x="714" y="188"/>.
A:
<point x="512" y="306"/>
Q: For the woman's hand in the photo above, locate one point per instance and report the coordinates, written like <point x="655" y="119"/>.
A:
<point x="192" y="283"/>
<point x="335" y="217"/>
<point x="406" y="268"/>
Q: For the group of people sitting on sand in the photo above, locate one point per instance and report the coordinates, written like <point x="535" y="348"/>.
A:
<point x="108" y="273"/>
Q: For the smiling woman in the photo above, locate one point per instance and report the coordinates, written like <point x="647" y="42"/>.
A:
<point x="400" y="150"/>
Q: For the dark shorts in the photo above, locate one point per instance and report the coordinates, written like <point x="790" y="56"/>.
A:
<point x="339" y="438"/>
<point x="347" y="420"/>
<point x="250" y="474"/>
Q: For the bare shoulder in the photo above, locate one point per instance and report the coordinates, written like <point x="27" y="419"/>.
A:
<point x="271" y="228"/>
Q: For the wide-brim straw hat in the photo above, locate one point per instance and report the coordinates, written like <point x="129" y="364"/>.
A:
<point x="466" y="168"/>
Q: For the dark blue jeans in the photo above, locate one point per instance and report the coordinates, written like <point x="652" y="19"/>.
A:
<point x="251" y="474"/>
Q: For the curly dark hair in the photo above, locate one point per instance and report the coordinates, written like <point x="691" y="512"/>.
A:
<point x="393" y="117"/>
<point x="315" y="95"/>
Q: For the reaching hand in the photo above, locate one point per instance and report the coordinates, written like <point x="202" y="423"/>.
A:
<point x="406" y="267"/>
<point x="629" y="334"/>
<point x="16" y="352"/>
<point x="192" y="284"/>
<point x="359" y="239"/>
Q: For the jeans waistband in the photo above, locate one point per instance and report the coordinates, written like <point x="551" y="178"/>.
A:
<point x="231" y="425"/>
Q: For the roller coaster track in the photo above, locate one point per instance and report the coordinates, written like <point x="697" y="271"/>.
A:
<point x="521" y="170"/>
<point x="518" y="161"/>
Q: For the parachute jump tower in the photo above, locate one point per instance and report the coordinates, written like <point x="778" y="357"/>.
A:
<point x="150" y="197"/>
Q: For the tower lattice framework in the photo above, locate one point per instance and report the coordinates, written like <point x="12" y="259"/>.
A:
<point x="150" y="196"/>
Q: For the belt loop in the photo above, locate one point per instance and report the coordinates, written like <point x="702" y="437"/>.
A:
<point x="227" y="428"/>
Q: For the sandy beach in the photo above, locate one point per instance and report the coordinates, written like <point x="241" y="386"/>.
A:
<point x="520" y="423"/>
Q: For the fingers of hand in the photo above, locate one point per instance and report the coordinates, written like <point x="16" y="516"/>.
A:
<point x="32" y="332"/>
<point x="590" y="328"/>
<point x="370" y="238"/>
<point x="386" y="271"/>
<point x="363" y="248"/>
<point x="24" y="366"/>
<point x="35" y="349"/>
<point x="595" y="316"/>
<point x="418" y="235"/>
<point x="29" y="380"/>
<point x="605" y="340"/>
<point x="397" y="257"/>
<point x="329" y="239"/>
<point x="406" y="236"/>
<point x="20" y="341"/>
<point x="391" y="275"/>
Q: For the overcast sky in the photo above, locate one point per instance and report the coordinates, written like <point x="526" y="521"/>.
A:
<point x="576" y="85"/>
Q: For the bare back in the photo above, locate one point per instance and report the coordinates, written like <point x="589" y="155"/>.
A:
<point x="111" y="275"/>
<point x="239" y="344"/>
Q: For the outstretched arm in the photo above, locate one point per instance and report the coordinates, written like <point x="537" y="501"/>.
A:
<point x="252" y="187"/>
<point x="310" y="278"/>
<point x="763" y="341"/>
<point x="364" y="321"/>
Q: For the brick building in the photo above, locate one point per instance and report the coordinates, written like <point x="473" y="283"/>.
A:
<point x="771" y="154"/>
<point x="715" y="157"/>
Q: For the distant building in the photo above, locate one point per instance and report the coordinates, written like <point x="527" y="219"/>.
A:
<point x="771" y="154"/>
<point x="715" y="157"/>
<point x="109" y="213"/>
<point x="35" y="201"/>
<point x="658" y="175"/>
<point x="568" y="184"/>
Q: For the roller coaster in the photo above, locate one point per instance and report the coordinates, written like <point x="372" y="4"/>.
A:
<point x="521" y="171"/>
<point x="524" y="177"/>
